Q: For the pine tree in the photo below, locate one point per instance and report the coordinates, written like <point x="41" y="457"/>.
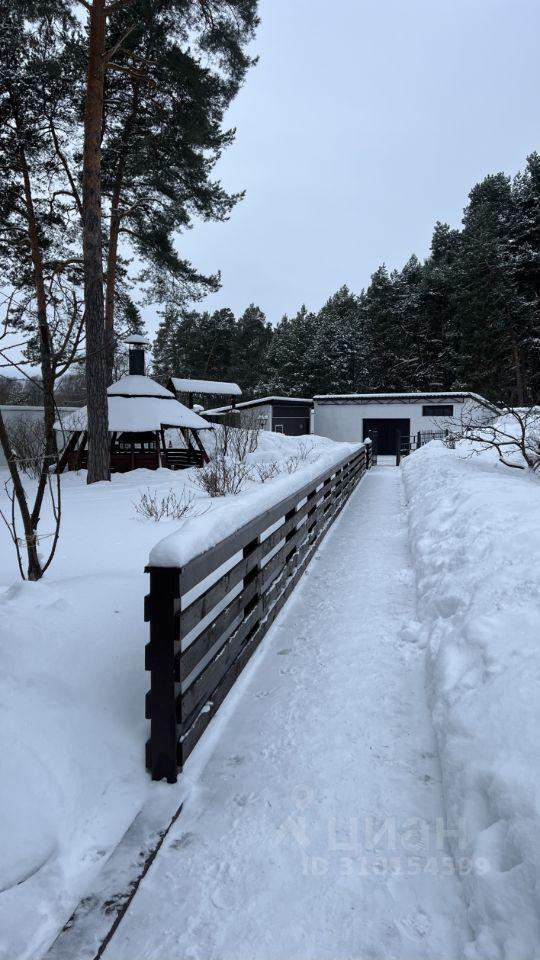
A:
<point x="337" y="346"/>
<point x="252" y="339"/>
<point x="383" y="331"/>
<point x="290" y="370"/>
<point x="487" y="298"/>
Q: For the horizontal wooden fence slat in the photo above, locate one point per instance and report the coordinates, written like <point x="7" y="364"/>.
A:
<point x="198" y="649"/>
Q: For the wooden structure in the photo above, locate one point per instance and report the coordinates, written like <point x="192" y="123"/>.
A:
<point x="226" y="621"/>
<point x="148" y="427"/>
<point x="186" y="389"/>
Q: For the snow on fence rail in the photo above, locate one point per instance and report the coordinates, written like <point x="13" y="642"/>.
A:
<point x="209" y="610"/>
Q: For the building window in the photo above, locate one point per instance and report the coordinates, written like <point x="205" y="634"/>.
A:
<point x="439" y="410"/>
<point x="278" y="428"/>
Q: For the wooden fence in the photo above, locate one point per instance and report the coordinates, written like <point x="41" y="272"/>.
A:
<point x="199" y="645"/>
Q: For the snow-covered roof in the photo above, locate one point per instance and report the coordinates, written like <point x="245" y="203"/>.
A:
<point x="431" y="395"/>
<point x="138" y="404"/>
<point x="259" y="402"/>
<point x="137" y="385"/>
<point x="138" y="338"/>
<point x="212" y="387"/>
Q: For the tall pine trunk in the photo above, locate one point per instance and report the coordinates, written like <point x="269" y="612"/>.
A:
<point x="96" y="362"/>
<point x="114" y="232"/>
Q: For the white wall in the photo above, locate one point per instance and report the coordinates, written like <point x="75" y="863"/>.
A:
<point x="343" y="421"/>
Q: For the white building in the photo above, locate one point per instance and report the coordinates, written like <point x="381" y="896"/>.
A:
<point x="355" y="416"/>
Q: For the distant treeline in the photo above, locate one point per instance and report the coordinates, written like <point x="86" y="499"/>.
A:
<point x="468" y="317"/>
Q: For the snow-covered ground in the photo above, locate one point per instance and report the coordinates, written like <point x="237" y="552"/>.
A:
<point x="475" y="537"/>
<point x="72" y="686"/>
<point x="315" y="823"/>
<point x="316" y="829"/>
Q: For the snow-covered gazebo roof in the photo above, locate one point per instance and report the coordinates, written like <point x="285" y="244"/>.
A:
<point x="138" y="404"/>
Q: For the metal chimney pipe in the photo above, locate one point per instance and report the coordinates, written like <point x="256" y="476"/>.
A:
<point x="136" y="360"/>
<point x="136" y="346"/>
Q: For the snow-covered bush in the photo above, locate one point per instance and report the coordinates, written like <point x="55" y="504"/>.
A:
<point x="304" y="454"/>
<point x="266" y="470"/>
<point x="237" y="441"/>
<point x="153" y="506"/>
<point x="223" y="476"/>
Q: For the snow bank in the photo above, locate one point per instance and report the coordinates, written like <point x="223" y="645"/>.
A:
<point x="475" y="539"/>
<point x="72" y="734"/>
<point x="201" y="533"/>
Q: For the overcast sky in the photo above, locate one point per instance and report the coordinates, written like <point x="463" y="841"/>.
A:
<point x="364" y="122"/>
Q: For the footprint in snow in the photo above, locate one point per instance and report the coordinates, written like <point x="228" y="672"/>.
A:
<point x="244" y="799"/>
<point x="183" y="841"/>
<point x="224" y="897"/>
<point x="234" y="760"/>
<point x="416" y="925"/>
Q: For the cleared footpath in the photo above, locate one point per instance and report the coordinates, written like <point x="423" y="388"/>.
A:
<point x="315" y="828"/>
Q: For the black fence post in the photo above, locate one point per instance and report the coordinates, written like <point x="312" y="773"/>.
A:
<point x="254" y="574"/>
<point x="369" y="455"/>
<point x="161" y="610"/>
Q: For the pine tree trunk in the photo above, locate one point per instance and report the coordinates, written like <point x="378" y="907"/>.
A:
<point x="96" y="361"/>
<point x="114" y="231"/>
<point x="110" y="288"/>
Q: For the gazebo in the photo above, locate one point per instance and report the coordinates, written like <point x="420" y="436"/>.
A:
<point x="140" y="413"/>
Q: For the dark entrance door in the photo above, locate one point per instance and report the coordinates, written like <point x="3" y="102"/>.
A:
<point x="387" y="431"/>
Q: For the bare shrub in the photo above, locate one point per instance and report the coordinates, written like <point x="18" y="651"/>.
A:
<point x="27" y="435"/>
<point x="223" y="476"/>
<point x="292" y="463"/>
<point x="239" y="440"/>
<point x="154" y="506"/>
<point x="306" y="451"/>
<point x="33" y="540"/>
<point x="266" y="470"/>
<point x="304" y="454"/>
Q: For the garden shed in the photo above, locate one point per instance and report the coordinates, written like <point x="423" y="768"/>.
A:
<point x="355" y="416"/>
<point x="289" y="415"/>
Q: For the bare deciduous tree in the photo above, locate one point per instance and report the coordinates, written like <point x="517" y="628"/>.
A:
<point x="36" y="565"/>
<point x="513" y="432"/>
